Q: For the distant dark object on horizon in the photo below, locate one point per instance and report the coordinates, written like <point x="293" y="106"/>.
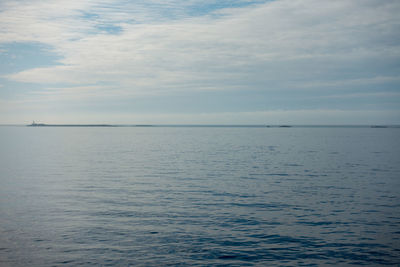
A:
<point x="378" y="126"/>
<point x="36" y="124"/>
<point x="279" y="126"/>
<point x="68" y="125"/>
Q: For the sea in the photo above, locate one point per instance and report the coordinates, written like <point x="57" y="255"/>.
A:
<point x="199" y="196"/>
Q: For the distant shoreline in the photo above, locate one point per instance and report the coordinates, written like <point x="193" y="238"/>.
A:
<point x="70" y="125"/>
<point x="378" y="126"/>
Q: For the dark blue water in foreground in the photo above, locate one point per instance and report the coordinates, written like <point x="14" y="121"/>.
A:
<point x="199" y="196"/>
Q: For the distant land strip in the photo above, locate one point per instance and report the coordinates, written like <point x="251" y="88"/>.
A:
<point x="211" y="125"/>
<point x="69" y="125"/>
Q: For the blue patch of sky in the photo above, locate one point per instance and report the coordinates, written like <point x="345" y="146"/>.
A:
<point x="206" y="7"/>
<point x="90" y="16"/>
<point x="155" y="12"/>
<point x="109" y="28"/>
<point x="175" y="10"/>
<point x="15" y="57"/>
<point x="101" y="25"/>
<point x="168" y="10"/>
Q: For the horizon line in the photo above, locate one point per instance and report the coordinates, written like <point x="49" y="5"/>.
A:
<point x="211" y="125"/>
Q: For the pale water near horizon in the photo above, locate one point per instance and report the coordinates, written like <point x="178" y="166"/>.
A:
<point x="199" y="196"/>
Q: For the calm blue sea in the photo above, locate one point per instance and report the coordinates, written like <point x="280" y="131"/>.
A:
<point x="199" y="196"/>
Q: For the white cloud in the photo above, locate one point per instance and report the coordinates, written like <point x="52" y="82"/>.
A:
<point x="261" y="45"/>
<point x="274" y="46"/>
<point x="50" y="22"/>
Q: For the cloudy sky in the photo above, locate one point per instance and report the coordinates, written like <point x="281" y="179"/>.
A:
<point x="200" y="61"/>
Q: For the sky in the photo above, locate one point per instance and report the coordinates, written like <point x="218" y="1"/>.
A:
<point x="200" y="61"/>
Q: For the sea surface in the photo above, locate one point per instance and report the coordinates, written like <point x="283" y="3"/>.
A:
<point x="199" y="196"/>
